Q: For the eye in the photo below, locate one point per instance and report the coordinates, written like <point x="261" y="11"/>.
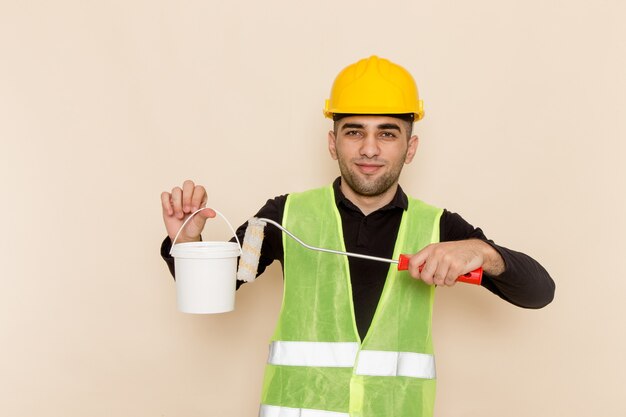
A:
<point x="352" y="133"/>
<point x="388" y="135"/>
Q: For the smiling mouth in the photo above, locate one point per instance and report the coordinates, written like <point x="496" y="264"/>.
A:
<point x="369" y="168"/>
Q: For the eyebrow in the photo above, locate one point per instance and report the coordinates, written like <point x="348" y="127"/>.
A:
<point x="352" y="126"/>
<point x="389" y="126"/>
<point x="384" y="126"/>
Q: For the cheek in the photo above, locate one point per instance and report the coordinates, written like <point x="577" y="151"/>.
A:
<point x="345" y="148"/>
<point x="396" y="151"/>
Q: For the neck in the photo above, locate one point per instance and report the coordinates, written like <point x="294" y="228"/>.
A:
<point x="368" y="203"/>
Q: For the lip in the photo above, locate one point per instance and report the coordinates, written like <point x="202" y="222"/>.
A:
<point x="369" y="168"/>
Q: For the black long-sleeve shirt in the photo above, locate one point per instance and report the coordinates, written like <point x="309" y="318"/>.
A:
<point x="524" y="283"/>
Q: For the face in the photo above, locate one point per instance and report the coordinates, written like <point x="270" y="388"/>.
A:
<point x="371" y="151"/>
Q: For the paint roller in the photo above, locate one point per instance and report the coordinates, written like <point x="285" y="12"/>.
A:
<point x="253" y="239"/>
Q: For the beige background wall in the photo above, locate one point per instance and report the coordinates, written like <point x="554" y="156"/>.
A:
<point x="103" y="105"/>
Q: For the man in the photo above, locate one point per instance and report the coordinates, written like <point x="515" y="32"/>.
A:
<point x="353" y="337"/>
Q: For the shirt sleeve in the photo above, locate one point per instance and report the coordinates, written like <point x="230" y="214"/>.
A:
<point x="524" y="283"/>
<point x="271" y="249"/>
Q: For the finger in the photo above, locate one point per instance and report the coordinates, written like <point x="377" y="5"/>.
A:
<point x="450" y="280"/>
<point x="177" y="202"/>
<point x="443" y="268"/>
<point x="454" y="271"/>
<point x="199" y="197"/>
<point x="440" y="274"/>
<point x="166" y="203"/>
<point x="414" y="266"/>
<point x="188" y="188"/>
<point x="427" y="274"/>
<point x="417" y="261"/>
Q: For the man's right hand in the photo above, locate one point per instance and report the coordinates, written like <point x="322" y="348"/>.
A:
<point x="178" y="205"/>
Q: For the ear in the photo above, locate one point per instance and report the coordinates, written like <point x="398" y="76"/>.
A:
<point x="412" y="149"/>
<point x="332" y="144"/>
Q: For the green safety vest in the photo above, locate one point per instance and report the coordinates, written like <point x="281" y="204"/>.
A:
<point x="318" y="366"/>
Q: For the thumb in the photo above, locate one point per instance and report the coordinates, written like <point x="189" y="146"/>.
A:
<point x="417" y="261"/>
<point x="200" y="218"/>
<point x="191" y="229"/>
<point x="206" y="213"/>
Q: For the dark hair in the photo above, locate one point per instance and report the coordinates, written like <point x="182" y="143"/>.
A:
<point x="408" y="118"/>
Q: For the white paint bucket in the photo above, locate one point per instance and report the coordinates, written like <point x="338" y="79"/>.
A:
<point x="206" y="274"/>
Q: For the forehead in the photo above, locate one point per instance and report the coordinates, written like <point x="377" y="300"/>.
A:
<point x="372" y="121"/>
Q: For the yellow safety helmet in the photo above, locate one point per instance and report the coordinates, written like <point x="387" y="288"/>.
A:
<point x="374" y="86"/>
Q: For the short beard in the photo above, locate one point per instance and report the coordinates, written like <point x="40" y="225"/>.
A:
<point x="374" y="187"/>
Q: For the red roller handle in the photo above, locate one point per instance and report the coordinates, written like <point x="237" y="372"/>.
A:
<point x="474" y="277"/>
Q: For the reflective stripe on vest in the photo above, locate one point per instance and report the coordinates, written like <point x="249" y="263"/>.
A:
<point x="383" y="363"/>
<point x="344" y="354"/>
<point x="275" y="411"/>
<point x="323" y="354"/>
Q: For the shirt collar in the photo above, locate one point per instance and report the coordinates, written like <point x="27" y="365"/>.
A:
<point x="399" y="200"/>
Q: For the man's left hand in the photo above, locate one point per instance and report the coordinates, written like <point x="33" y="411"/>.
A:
<point x="444" y="262"/>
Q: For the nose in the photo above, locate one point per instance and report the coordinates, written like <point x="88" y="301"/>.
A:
<point x="369" y="146"/>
